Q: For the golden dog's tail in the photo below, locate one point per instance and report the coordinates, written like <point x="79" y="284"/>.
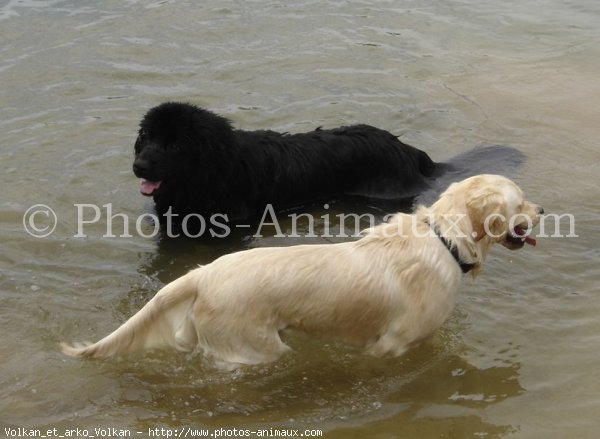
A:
<point x="164" y="321"/>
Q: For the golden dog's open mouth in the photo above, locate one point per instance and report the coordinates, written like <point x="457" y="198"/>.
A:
<point x="518" y="237"/>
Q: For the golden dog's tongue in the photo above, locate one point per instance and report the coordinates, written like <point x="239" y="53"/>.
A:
<point x="148" y="187"/>
<point x="519" y="232"/>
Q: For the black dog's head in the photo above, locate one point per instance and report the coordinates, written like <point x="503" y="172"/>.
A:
<point x="177" y="144"/>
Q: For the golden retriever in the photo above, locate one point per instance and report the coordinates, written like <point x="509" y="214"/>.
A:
<point x="388" y="290"/>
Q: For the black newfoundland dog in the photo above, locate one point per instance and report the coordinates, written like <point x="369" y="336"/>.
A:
<point x="192" y="161"/>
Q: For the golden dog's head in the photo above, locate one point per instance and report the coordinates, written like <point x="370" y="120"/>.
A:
<point x="497" y="210"/>
<point x="471" y="216"/>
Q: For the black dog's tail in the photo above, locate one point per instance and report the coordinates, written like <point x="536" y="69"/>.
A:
<point x="427" y="167"/>
<point x="490" y="159"/>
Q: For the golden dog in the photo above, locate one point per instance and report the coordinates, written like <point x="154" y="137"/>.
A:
<point x="388" y="290"/>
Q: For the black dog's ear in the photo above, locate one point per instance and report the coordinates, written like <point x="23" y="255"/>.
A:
<point x="212" y="131"/>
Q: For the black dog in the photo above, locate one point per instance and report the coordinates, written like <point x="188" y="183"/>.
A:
<point x="193" y="162"/>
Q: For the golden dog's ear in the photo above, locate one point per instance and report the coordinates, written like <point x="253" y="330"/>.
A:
<point x="487" y="211"/>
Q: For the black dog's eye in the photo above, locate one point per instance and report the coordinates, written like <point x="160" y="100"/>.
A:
<point x="174" y="147"/>
<point x="139" y="142"/>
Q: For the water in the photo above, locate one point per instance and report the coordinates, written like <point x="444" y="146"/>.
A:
<point x="519" y="356"/>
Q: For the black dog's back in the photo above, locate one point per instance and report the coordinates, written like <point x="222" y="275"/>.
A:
<point x="354" y="160"/>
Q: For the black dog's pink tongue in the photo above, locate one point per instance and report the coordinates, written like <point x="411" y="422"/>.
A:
<point x="148" y="187"/>
<point x="519" y="232"/>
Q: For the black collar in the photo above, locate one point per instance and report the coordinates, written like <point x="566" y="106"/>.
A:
<point x="464" y="266"/>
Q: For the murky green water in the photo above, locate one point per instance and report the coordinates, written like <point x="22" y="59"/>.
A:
<point x="518" y="358"/>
